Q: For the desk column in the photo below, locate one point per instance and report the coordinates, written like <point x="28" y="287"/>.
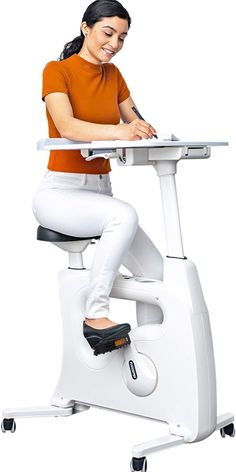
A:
<point x="166" y="171"/>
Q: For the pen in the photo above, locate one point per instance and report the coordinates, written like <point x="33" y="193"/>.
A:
<point x="141" y="118"/>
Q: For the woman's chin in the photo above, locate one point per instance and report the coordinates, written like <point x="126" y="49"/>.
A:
<point x="105" y="57"/>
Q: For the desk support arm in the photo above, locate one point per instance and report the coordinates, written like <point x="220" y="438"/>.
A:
<point x="166" y="171"/>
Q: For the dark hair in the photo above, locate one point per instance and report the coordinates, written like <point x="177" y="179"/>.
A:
<point x="95" y="12"/>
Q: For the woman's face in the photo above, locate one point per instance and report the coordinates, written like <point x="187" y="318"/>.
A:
<point x="104" y="39"/>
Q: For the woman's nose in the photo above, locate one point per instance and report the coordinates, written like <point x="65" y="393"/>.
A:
<point x="114" y="43"/>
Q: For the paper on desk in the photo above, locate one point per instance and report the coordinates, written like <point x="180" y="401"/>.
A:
<point x="167" y="137"/>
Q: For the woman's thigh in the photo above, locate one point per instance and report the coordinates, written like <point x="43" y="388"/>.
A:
<point x="77" y="212"/>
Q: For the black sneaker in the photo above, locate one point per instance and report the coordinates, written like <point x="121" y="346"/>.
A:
<point x="107" y="339"/>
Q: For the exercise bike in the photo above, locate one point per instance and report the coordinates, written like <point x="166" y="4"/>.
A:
<point x="156" y="376"/>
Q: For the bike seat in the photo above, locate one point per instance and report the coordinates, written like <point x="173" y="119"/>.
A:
<point x="46" y="234"/>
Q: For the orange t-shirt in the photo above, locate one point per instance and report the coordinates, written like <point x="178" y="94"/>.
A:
<point x="94" y="91"/>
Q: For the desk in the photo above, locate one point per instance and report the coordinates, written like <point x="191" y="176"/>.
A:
<point x="162" y="155"/>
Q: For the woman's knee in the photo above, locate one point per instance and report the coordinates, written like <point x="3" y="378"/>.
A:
<point x="124" y="215"/>
<point x="131" y="216"/>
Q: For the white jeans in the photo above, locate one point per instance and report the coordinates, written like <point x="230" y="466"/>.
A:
<point x="83" y="205"/>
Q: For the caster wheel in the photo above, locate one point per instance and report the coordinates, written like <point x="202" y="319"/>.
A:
<point x="222" y="432"/>
<point x="8" y="424"/>
<point x="138" y="464"/>
<point x="229" y="430"/>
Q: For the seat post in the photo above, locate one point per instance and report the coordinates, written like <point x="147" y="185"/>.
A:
<point x="76" y="260"/>
<point x="74" y="250"/>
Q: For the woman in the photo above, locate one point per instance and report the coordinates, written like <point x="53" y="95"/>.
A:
<point x="85" y="97"/>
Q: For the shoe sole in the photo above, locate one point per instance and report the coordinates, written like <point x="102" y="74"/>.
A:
<point x="109" y="345"/>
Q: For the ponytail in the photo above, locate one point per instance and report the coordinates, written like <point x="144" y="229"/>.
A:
<point x="72" y="47"/>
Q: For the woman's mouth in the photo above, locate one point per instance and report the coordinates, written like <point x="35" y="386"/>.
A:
<point x="108" y="52"/>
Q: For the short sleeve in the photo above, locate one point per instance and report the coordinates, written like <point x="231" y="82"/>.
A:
<point x="54" y="79"/>
<point x="123" y="91"/>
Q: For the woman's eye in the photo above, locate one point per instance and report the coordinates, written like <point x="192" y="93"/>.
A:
<point x="108" y="34"/>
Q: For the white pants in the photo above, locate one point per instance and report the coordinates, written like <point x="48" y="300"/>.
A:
<point x="83" y="205"/>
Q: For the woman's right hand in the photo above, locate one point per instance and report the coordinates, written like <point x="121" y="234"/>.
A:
<point x="135" y="130"/>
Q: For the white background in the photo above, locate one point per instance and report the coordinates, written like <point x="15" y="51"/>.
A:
<point x="178" y="62"/>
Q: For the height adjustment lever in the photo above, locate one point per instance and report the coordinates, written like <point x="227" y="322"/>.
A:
<point x="90" y="154"/>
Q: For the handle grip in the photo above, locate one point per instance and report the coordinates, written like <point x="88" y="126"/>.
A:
<point x="101" y="153"/>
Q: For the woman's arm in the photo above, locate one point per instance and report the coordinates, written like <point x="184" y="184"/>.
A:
<point x="60" y="109"/>
<point x="126" y="112"/>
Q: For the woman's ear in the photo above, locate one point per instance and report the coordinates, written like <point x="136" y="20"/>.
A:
<point x="84" y="28"/>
